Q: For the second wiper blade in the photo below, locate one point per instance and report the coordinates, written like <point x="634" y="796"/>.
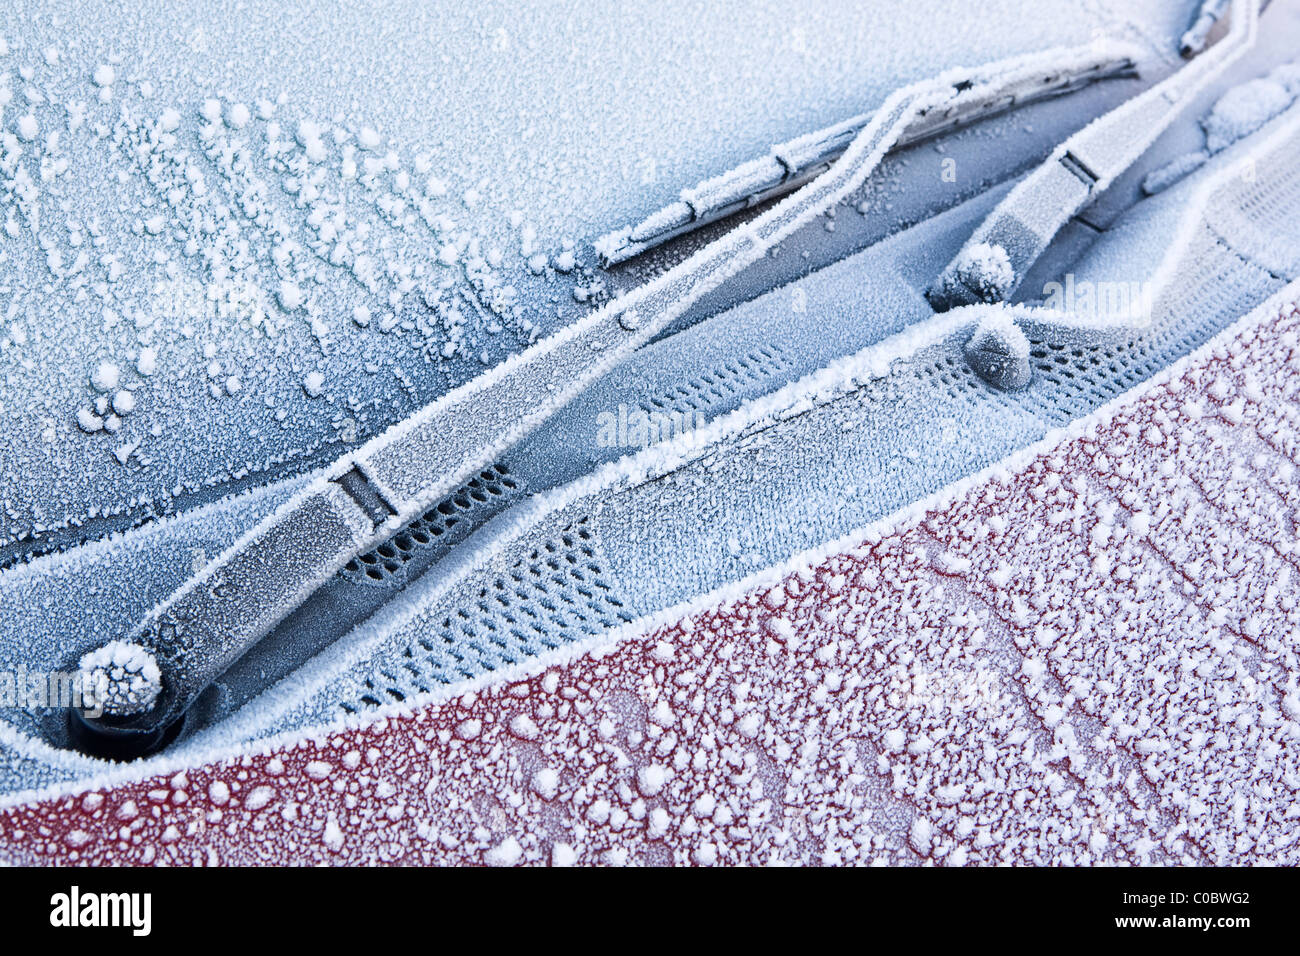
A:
<point x="791" y="164"/>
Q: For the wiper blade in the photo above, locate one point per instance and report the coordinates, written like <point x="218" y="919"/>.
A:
<point x="791" y="164"/>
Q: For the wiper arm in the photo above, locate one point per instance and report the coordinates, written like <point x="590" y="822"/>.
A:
<point x="998" y="256"/>
<point x="193" y="636"/>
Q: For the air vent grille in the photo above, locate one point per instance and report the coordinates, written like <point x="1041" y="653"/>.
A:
<point x="554" y="594"/>
<point x="448" y="521"/>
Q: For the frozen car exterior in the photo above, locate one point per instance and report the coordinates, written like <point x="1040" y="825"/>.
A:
<point x="582" y="560"/>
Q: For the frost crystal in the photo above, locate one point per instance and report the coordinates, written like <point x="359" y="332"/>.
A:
<point x="983" y="272"/>
<point x="122" y="678"/>
<point x="105" y="377"/>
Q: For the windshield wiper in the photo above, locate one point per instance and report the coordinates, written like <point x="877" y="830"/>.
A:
<point x="998" y="256"/>
<point x="147" y="681"/>
<point x="789" y="165"/>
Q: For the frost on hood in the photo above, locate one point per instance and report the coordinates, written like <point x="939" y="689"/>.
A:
<point x="1083" y="658"/>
